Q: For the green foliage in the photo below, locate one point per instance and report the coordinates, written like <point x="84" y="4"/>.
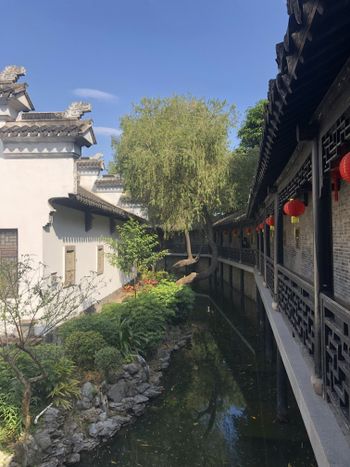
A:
<point x="250" y="133"/>
<point x="64" y="392"/>
<point x="107" y="360"/>
<point x="177" y="298"/>
<point x="135" y="248"/>
<point x="173" y="155"/>
<point x="10" y="420"/>
<point x="138" y="324"/>
<point x="82" y="346"/>
<point x="242" y="168"/>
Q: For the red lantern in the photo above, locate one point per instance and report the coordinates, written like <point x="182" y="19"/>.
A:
<point x="235" y="232"/>
<point x="261" y="226"/>
<point x="248" y="231"/>
<point x="344" y="167"/>
<point x="257" y="229"/>
<point x="294" y="208"/>
<point x="225" y="232"/>
<point x="270" y="221"/>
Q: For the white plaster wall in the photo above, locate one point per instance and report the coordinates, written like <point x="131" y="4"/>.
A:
<point x="112" y="197"/>
<point x="68" y="228"/>
<point x="87" y="180"/>
<point x="26" y="185"/>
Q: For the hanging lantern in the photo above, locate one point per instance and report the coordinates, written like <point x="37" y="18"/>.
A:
<point x="344" y="167"/>
<point x="294" y="208"/>
<point x="257" y="229"/>
<point x="261" y="226"/>
<point x="270" y="221"/>
<point x="248" y="231"/>
<point x="235" y="232"/>
<point x="335" y="178"/>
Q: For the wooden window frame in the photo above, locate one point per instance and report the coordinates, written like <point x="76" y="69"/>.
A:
<point x="67" y="282"/>
<point x="100" y="266"/>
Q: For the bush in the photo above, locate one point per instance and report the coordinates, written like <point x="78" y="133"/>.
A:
<point x="137" y="324"/>
<point x="178" y="298"/>
<point x="10" y="420"/>
<point x="108" y="359"/>
<point x="82" y="346"/>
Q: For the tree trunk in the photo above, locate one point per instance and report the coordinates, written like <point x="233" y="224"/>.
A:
<point x="189" y="260"/>
<point x="199" y="276"/>
<point x="27" y="394"/>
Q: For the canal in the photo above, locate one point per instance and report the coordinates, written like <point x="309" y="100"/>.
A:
<point x="218" y="408"/>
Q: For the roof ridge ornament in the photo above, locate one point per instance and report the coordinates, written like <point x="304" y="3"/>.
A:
<point x="77" y="110"/>
<point x="11" y="73"/>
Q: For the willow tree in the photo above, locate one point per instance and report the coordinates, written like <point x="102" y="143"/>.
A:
<point x="174" y="158"/>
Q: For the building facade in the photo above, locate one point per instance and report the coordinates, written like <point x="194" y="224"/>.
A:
<point x="55" y="204"/>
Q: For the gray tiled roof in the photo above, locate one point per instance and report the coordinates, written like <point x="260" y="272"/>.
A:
<point x="45" y="128"/>
<point x="90" y="163"/>
<point x="85" y="200"/>
<point x="109" y="181"/>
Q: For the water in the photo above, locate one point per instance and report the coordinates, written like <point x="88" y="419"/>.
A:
<point x="218" y="408"/>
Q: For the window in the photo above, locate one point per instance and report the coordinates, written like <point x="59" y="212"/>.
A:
<point x="69" y="266"/>
<point x="100" y="259"/>
<point x="9" y="258"/>
<point x="8" y="244"/>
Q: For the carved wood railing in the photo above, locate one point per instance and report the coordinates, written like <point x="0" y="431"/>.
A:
<point x="248" y="256"/>
<point x="336" y="355"/>
<point x="262" y="263"/>
<point x="295" y="300"/>
<point x="270" y="274"/>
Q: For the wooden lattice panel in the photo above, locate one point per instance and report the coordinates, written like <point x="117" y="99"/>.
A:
<point x="334" y="139"/>
<point x="337" y="355"/>
<point x="295" y="300"/>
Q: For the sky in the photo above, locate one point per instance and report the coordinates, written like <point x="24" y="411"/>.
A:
<point x="112" y="53"/>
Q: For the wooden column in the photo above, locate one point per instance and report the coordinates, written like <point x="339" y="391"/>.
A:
<point x="323" y="261"/>
<point x="241" y="285"/>
<point x="230" y="276"/>
<point x="277" y="245"/>
<point x="265" y="235"/>
<point x="259" y="252"/>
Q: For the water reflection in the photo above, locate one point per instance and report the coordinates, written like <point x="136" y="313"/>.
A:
<point x="219" y="405"/>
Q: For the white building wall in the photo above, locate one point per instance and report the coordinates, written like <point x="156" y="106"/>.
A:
<point x="68" y="229"/>
<point x="26" y="185"/>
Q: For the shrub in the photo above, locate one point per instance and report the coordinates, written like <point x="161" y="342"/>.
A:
<point x="82" y="346"/>
<point x="178" y="298"/>
<point x="137" y="324"/>
<point x="108" y="359"/>
<point x="10" y="420"/>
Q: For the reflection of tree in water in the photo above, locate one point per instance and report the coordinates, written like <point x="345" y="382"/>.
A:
<point x="203" y="419"/>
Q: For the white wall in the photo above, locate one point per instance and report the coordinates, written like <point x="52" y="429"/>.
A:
<point x="68" y="228"/>
<point x="26" y="185"/>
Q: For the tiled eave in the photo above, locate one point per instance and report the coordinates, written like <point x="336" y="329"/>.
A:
<point x="315" y="48"/>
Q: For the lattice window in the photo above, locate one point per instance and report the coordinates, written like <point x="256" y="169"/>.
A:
<point x="100" y="259"/>
<point x="69" y="266"/>
<point x="301" y="178"/>
<point x="332" y="141"/>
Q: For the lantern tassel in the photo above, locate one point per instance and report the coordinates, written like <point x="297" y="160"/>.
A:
<point x="294" y="220"/>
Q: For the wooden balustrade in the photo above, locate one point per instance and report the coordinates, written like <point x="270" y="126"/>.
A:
<point x="295" y="300"/>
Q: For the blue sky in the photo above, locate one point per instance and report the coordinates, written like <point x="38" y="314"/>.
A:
<point x="114" y="52"/>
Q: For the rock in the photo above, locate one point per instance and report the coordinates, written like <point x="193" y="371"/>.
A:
<point x="77" y="440"/>
<point x="118" y="391"/>
<point x="153" y="392"/>
<point x="53" y="419"/>
<point x="139" y="399"/>
<point x="143" y="387"/>
<point x="131" y="368"/>
<point x="90" y="415"/>
<point x="138" y="409"/>
<point x="88" y="391"/>
<point x="97" y="401"/>
<point x="73" y="458"/>
<point x="54" y="462"/>
<point x="102" y="417"/>
<point x="84" y="404"/>
<point x="165" y="365"/>
<point x="43" y="439"/>
<point x="106" y="428"/>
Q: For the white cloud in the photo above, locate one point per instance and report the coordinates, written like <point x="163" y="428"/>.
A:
<point x="88" y="93"/>
<point x="107" y="131"/>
